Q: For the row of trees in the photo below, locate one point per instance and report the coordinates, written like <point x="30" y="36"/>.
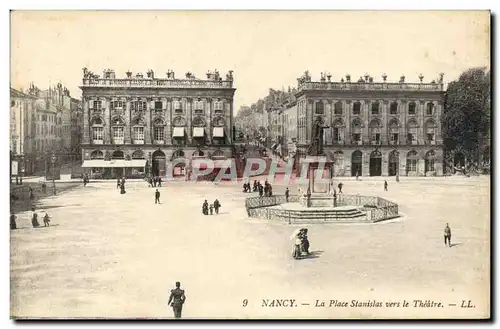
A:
<point x="466" y="120"/>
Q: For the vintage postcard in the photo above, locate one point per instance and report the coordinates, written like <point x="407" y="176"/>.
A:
<point x="250" y="165"/>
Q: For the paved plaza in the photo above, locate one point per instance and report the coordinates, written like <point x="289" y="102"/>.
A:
<point x="112" y="255"/>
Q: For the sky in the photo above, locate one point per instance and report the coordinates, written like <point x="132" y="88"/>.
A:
<point x="265" y="49"/>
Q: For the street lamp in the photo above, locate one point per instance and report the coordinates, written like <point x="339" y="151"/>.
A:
<point x="54" y="172"/>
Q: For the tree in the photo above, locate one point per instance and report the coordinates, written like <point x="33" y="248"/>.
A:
<point x="466" y="117"/>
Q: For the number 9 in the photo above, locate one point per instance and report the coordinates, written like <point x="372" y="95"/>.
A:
<point x="245" y="302"/>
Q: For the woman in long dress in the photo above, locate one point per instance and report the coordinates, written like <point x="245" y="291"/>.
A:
<point x="34" y="219"/>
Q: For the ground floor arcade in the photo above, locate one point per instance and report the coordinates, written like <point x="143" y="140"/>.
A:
<point x="387" y="161"/>
<point x="137" y="162"/>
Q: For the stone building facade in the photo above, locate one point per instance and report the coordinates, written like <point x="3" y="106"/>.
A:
<point x="136" y="125"/>
<point x="374" y="128"/>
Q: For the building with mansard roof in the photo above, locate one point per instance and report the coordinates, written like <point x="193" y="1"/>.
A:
<point x="137" y="124"/>
<point x="374" y="128"/>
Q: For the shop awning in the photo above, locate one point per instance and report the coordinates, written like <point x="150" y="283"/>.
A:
<point x="218" y="132"/>
<point x="136" y="163"/>
<point x="178" y="132"/>
<point x="198" y="132"/>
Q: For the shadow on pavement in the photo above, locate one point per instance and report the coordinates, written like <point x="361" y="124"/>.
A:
<point x="456" y="244"/>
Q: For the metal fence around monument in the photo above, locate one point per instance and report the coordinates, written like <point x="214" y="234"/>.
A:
<point x="376" y="208"/>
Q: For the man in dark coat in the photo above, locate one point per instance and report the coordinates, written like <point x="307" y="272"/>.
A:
<point x="157" y="196"/>
<point x="177" y="299"/>
<point x="287" y="194"/>
<point x="13" y="224"/>
<point x="385" y="185"/>
<point x="159" y="181"/>
<point x="340" y="187"/>
<point x="447" y="235"/>
<point x="204" y="208"/>
<point x="217" y="205"/>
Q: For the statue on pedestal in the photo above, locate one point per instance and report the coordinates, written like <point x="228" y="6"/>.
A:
<point x="316" y="147"/>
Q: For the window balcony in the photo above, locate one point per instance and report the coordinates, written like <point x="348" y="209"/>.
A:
<point x="376" y="142"/>
<point x="393" y="142"/>
<point x="118" y="141"/>
<point x="159" y="141"/>
<point x="138" y="141"/>
<point x="98" y="141"/>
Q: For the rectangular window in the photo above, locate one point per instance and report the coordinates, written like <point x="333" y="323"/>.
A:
<point x="375" y="109"/>
<point x="198" y="107"/>
<point x="394" y="108"/>
<point x="98" y="135"/>
<point x="177" y="107"/>
<point x="118" y="135"/>
<point x="356" y="109"/>
<point x="376" y="138"/>
<point x="430" y="138"/>
<point x="138" y="106"/>
<point x="158" y="105"/>
<point x="338" y="108"/>
<point x="411" y="165"/>
<point x="412" y="109"/>
<point x="218" y="107"/>
<point x="430" y="165"/>
<point x="356" y="137"/>
<point x="138" y="135"/>
<point x="394" y="138"/>
<point x="430" y="108"/>
<point x="159" y="135"/>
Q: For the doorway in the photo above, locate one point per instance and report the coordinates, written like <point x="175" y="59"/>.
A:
<point x="393" y="163"/>
<point x="356" y="163"/>
<point x="376" y="163"/>
<point x="158" y="167"/>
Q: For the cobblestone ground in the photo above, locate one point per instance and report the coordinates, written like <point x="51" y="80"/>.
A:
<point x="112" y="255"/>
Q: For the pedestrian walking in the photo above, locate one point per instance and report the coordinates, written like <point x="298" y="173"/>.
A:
<point x="204" y="208"/>
<point x="13" y="218"/>
<point x="385" y="185"/>
<point x="118" y="183"/>
<point x="447" y="235"/>
<point x="340" y="188"/>
<point x="155" y="180"/>
<point x="46" y="220"/>
<point x="357" y="174"/>
<point x="287" y="194"/>
<point x="157" y="196"/>
<point x="397" y="177"/>
<point x="211" y="209"/>
<point x="159" y="181"/>
<point x="217" y="206"/>
<point x="34" y="218"/>
<point x="177" y="299"/>
<point x="44" y="187"/>
<point x="31" y="194"/>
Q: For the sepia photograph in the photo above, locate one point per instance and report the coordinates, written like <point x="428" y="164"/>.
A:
<point x="250" y="165"/>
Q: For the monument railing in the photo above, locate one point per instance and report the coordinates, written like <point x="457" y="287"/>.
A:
<point x="376" y="208"/>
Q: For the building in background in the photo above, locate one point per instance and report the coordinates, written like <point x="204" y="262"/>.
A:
<point x="375" y="128"/>
<point x="22" y="130"/>
<point x="52" y="127"/>
<point x="76" y="130"/>
<point x="133" y="125"/>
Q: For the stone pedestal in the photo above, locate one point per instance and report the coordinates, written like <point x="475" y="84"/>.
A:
<point x="320" y="192"/>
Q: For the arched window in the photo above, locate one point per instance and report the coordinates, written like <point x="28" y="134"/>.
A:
<point x="412" y="128"/>
<point x="338" y="108"/>
<point x="394" y="108"/>
<point x="97" y="131"/>
<point x="411" y="162"/>
<point x="138" y="154"/>
<point x="374" y="130"/>
<point x="394" y="131"/>
<point x="430" y="161"/>
<point x="320" y="108"/>
<point x="356" y="131"/>
<point x="338" y="131"/>
<point x="217" y="153"/>
<point x="138" y="131"/>
<point x="159" y="131"/>
<point x="118" y="155"/>
<point x="430" y="132"/>
<point x="412" y="108"/>
<point x="96" y="155"/>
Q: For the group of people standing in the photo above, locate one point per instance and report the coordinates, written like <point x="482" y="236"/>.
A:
<point x="263" y="190"/>
<point x="154" y="181"/>
<point x="206" y="208"/>
<point x="301" y="244"/>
